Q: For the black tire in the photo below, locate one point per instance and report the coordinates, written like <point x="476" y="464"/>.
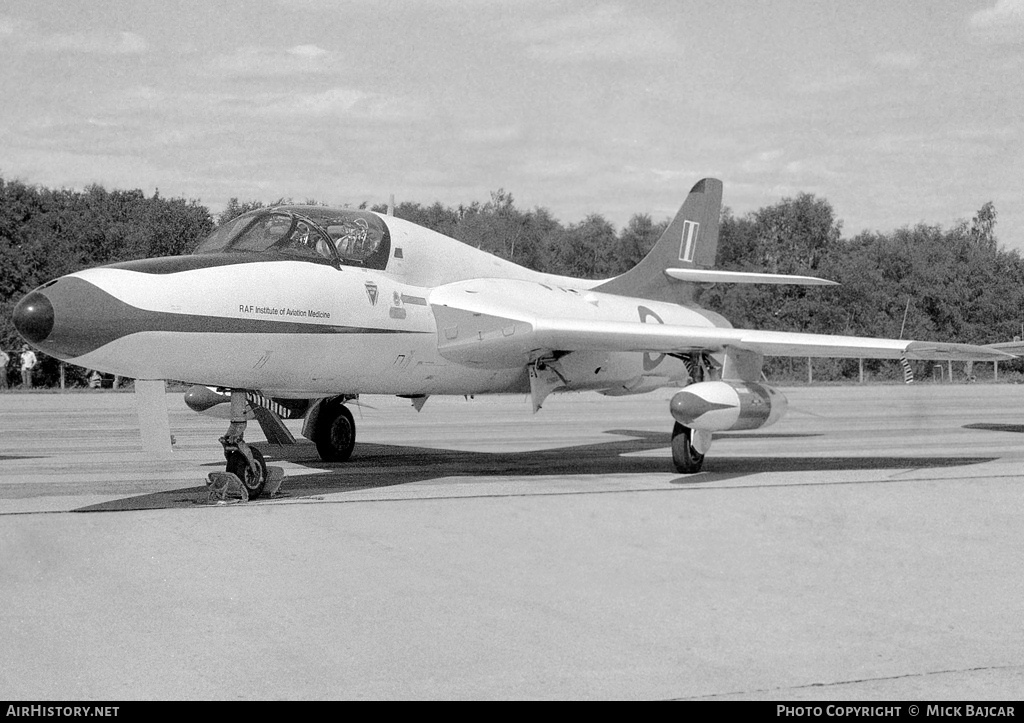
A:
<point x="335" y="433"/>
<point x="686" y="458"/>
<point x="238" y="465"/>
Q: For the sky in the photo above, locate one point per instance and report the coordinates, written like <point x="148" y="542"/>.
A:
<point x="897" y="113"/>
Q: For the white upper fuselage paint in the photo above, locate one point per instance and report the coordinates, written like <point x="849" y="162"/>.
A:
<point x="383" y="335"/>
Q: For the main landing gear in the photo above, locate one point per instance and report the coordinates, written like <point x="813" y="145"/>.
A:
<point x="243" y="461"/>
<point x="334" y="431"/>
<point x="685" y="456"/>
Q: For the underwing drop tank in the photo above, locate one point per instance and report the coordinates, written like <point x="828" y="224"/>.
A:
<point x="723" y="406"/>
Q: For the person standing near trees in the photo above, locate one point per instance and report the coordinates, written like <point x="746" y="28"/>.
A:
<point x="28" y="363"/>
<point x="4" y="359"/>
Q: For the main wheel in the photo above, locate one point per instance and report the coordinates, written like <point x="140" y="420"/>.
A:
<point x="238" y="465"/>
<point x="686" y="458"/>
<point x="335" y="433"/>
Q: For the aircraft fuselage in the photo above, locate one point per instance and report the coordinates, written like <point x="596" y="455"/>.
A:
<point x="297" y="329"/>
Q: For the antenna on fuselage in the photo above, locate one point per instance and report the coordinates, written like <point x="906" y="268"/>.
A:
<point x="391" y="205"/>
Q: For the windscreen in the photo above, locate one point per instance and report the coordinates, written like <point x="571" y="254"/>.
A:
<point x="353" y="238"/>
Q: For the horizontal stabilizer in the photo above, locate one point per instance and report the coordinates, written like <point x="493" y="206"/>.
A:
<point x="710" y="276"/>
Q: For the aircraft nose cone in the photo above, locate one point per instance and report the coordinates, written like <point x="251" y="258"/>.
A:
<point x="33" y="317"/>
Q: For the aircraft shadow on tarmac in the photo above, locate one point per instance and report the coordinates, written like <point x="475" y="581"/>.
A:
<point x="1018" y="428"/>
<point x="385" y="465"/>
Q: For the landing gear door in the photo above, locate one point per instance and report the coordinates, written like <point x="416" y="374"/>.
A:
<point x="309" y="423"/>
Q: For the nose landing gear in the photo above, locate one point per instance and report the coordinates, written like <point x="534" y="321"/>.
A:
<point x="243" y="461"/>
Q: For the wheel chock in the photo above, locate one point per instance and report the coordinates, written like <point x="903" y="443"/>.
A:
<point x="225" y="489"/>
<point x="272" y="487"/>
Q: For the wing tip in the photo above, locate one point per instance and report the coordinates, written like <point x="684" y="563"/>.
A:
<point x="951" y="351"/>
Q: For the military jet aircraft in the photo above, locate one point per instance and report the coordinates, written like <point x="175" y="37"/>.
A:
<point x="294" y="311"/>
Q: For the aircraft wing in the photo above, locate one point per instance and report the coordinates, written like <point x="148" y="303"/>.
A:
<point x="1010" y="347"/>
<point x="491" y="341"/>
<point x="572" y="335"/>
<point x="659" y="337"/>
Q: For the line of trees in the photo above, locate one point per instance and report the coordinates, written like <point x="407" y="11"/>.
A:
<point x="46" y="233"/>
<point x="924" y="282"/>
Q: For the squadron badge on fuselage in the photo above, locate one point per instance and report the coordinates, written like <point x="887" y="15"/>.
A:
<point x="371" y="291"/>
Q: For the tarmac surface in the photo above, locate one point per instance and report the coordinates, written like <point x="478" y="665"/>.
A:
<point x="867" y="547"/>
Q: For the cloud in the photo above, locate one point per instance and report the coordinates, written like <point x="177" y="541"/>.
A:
<point x="1003" y="22"/>
<point x="350" y="103"/>
<point x="550" y="169"/>
<point x="492" y="135"/>
<point x="8" y="26"/>
<point x="1003" y="13"/>
<point x="898" y="59"/>
<point x="598" y="33"/>
<point x="815" y="168"/>
<point x="763" y="161"/>
<point x="667" y="175"/>
<point x="832" y="81"/>
<point x="232" y="107"/>
<point x="308" y="51"/>
<point x="95" y="42"/>
<point x="144" y="120"/>
<point x="11" y="27"/>
<point x="332" y="102"/>
<point x="26" y="36"/>
<point x="259" y="62"/>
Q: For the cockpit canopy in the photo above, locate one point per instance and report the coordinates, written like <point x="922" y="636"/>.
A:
<point x="314" y="233"/>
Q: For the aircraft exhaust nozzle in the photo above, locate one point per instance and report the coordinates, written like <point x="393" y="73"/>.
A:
<point x="725" y="406"/>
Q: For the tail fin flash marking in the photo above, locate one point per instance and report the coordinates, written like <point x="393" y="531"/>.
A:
<point x="689" y="241"/>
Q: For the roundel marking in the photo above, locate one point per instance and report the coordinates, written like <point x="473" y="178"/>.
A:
<point x="651" y="361"/>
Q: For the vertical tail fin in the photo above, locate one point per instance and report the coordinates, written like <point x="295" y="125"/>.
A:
<point x="691" y="240"/>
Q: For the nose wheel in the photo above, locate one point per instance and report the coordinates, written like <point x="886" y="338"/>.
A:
<point x="251" y="470"/>
<point x="243" y="461"/>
